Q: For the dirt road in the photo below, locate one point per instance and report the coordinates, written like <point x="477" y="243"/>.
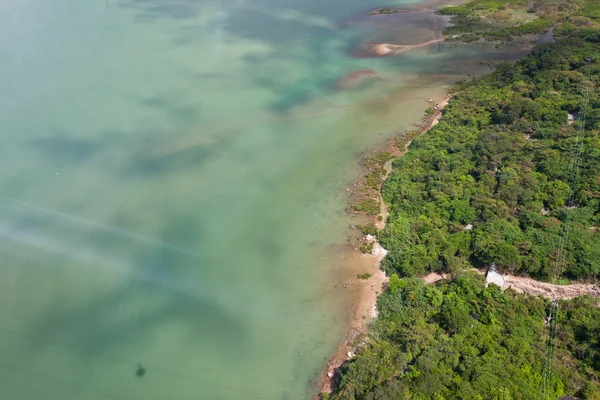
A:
<point x="536" y="288"/>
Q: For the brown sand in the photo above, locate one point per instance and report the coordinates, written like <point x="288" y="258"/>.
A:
<point x="434" y="277"/>
<point x="384" y="49"/>
<point x="363" y="310"/>
<point x="390" y="49"/>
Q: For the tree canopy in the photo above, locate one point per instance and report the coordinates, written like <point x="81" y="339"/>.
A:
<point x="502" y="159"/>
<point x="461" y="340"/>
<point x="503" y="178"/>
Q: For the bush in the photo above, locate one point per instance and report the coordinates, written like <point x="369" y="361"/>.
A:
<point x="368" y="206"/>
<point x="447" y="342"/>
<point x="366" y="248"/>
<point x="455" y="10"/>
<point x="369" y="229"/>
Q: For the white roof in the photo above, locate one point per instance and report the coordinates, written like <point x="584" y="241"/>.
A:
<point x="495" y="278"/>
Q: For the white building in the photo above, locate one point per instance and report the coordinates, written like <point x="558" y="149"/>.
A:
<point x="493" y="276"/>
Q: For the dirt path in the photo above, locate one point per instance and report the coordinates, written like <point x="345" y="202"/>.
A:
<point x="535" y="288"/>
<point x="549" y="290"/>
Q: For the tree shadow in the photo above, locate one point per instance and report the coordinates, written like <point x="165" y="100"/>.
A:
<point x="164" y="288"/>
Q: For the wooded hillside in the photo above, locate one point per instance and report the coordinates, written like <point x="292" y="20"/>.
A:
<point x="510" y="175"/>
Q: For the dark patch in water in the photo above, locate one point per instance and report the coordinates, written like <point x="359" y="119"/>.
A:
<point x="140" y="371"/>
<point x="143" y="164"/>
<point x="263" y="26"/>
<point x="64" y="148"/>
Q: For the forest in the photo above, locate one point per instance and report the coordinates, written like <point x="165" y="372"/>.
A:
<point x="495" y="180"/>
<point x="511" y="176"/>
<point x="460" y="340"/>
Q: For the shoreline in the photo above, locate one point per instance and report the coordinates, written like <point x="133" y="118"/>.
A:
<point x="364" y="309"/>
<point x="356" y="336"/>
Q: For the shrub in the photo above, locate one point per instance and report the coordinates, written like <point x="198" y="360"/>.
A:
<point x="368" y="206"/>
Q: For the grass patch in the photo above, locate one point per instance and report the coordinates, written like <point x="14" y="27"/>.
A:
<point x="375" y="165"/>
<point x="367" y="206"/>
<point x="383" y="11"/>
<point x="492" y="20"/>
<point x="367" y="248"/>
<point x="369" y="229"/>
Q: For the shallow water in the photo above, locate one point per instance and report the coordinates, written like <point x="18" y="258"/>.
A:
<point x="172" y="180"/>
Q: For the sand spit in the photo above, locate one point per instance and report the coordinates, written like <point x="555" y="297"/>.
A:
<point x="389" y="49"/>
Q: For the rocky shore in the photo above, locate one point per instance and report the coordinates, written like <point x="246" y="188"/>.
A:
<point x="365" y="307"/>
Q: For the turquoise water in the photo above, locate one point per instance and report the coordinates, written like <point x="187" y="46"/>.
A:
<point x="172" y="181"/>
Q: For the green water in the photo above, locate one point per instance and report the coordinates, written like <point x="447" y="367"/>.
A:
<point x="172" y="181"/>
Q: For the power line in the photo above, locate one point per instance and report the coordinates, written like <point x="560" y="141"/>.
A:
<point x="564" y="239"/>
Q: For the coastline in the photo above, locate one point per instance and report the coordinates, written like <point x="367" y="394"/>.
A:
<point x="364" y="309"/>
<point x="356" y="337"/>
<point x="367" y="291"/>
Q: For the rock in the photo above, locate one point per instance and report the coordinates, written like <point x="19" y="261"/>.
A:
<point x="369" y="237"/>
<point x="468" y="227"/>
